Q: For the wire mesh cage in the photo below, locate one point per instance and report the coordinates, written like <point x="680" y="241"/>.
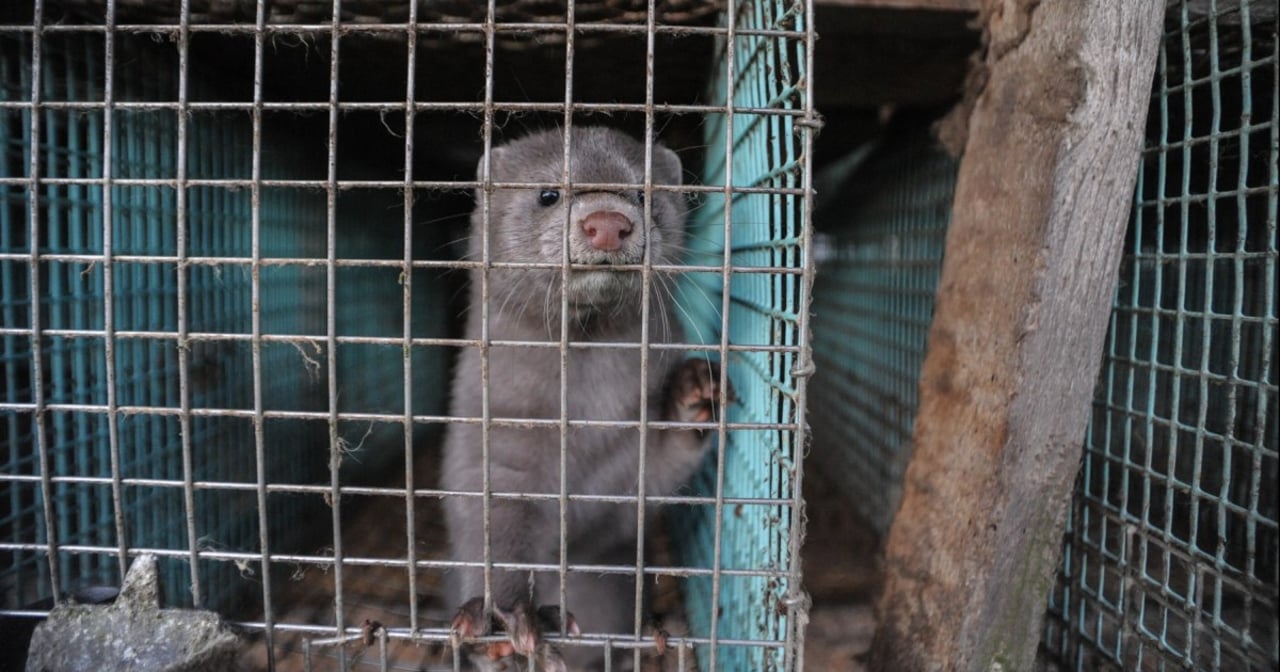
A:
<point x="117" y="285"/>
<point x="1170" y="560"/>
<point x="1170" y="556"/>
<point x="879" y="258"/>
<point x="231" y="284"/>
<point x="75" y="311"/>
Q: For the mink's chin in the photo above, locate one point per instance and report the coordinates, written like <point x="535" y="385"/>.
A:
<point x="623" y="257"/>
<point x="602" y="288"/>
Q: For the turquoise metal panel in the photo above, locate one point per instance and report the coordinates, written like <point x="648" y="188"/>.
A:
<point x="749" y="553"/>
<point x="882" y="217"/>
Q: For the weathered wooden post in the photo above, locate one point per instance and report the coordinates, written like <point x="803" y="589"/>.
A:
<point x="1042" y="198"/>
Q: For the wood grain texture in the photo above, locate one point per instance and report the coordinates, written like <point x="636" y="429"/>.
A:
<point x="1041" y="206"/>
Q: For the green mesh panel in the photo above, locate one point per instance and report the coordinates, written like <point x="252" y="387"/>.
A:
<point x="883" y="231"/>
<point x="1170" y="561"/>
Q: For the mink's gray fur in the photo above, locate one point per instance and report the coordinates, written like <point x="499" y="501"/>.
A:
<point x="603" y="383"/>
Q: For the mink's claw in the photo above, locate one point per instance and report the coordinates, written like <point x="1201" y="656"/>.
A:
<point x="523" y="625"/>
<point x="523" y="628"/>
<point x="549" y="619"/>
<point x="470" y="621"/>
<point x="694" y="391"/>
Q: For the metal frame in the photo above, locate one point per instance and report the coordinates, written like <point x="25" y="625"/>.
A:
<point x="754" y="176"/>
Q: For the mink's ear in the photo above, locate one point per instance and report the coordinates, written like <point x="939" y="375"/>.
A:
<point x="495" y="158"/>
<point x="666" y="167"/>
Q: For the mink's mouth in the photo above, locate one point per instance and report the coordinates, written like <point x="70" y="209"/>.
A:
<point x="601" y="276"/>
<point x="598" y="287"/>
<point x="603" y="259"/>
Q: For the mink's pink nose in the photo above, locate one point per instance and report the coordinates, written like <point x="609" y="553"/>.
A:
<point x="606" y="229"/>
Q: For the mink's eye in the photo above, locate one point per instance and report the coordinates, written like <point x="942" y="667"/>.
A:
<point x="640" y="198"/>
<point x="548" y="197"/>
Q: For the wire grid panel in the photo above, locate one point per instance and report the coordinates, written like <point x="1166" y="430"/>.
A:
<point x="760" y="156"/>
<point x="293" y="317"/>
<point x="150" y="279"/>
<point x="879" y="259"/>
<point x="72" y="321"/>
<point x="1170" y="559"/>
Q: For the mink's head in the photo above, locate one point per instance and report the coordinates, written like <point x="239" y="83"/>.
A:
<point x="599" y="213"/>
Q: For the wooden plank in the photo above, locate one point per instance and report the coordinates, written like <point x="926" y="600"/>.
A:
<point x="1041" y="206"/>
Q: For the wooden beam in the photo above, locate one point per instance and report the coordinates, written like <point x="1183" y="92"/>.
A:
<point x="1041" y="205"/>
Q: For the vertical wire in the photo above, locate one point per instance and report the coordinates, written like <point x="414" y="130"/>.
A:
<point x="1265" y="372"/>
<point x="486" y="265"/>
<point x="411" y="553"/>
<point x="646" y="282"/>
<point x="1192" y="602"/>
<point x="1268" y="328"/>
<point x="255" y="251"/>
<point x="725" y="305"/>
<point x="108" y="287"/>
<point x="566" y="177"/>
<point x="331" y="332"/>
<point x="797" y="600"/>
<point x="184" y="345"/>
<point x="1238" y="298"/>
<point x="37" y="352"/>
<point x="1126" y="596"/>
<point x="1181" y="312"/>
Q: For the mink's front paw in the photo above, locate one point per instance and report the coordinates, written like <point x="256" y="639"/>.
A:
<point x="524" y="627"/>
<point x="694" y="391"/>
<point x="470" y="621"/>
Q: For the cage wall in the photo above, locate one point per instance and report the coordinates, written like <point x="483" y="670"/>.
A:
<point x="756" y="155"/>
<point x="883" y="229"/>
<point x="231" y="262"/>
<point x="1170" y="560"/>
<point x="163" y="313"/>
<point x="72" y="313"/>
